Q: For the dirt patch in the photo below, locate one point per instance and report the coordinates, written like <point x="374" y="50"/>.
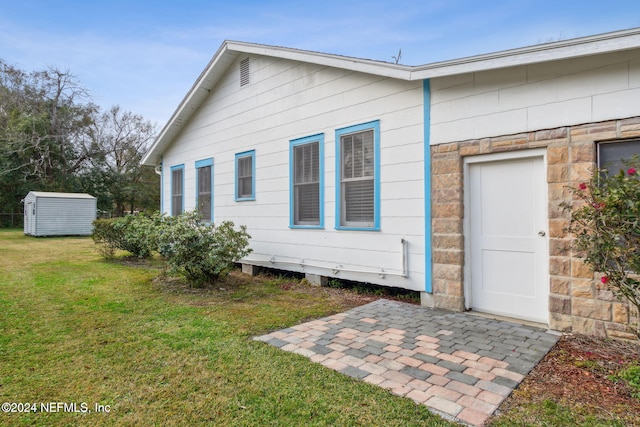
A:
<point x="580" y="373"/>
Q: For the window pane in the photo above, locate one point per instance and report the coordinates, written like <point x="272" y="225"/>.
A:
<point x="204" y="207"/>
<point x="308" y="203"/>
<point x="357" y="155"/>
<point x="610" y="155"/>
<point x="359" y="201"/>
<point x="306" y="184"/>
<point x="176" y="192"/>
<point x="204" y="193"/>
<point x="244" y="187"/>
<point x="306" y="163"/>
<point x="245" y="179"/>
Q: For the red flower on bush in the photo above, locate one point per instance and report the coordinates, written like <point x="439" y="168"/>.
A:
<point x="604" y="280"/>
<point x="631" y="171"/>
<point x="582" y="186"/>
<point x="598" y="206"/>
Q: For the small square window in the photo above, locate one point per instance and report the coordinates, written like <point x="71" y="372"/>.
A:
<point x="611" y="154"/>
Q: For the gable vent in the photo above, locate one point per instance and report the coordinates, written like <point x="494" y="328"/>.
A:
<point x="244" y="72"/>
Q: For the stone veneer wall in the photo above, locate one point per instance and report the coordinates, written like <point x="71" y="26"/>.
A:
<point x="577" y="300"/>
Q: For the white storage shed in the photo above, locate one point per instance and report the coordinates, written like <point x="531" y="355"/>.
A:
<point x="58" y="214"/>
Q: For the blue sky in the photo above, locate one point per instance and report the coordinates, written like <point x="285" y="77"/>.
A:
<point x="145" y="55"/>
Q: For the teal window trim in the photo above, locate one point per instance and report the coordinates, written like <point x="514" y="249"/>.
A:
<point x="319" y="138"/>
<point x="203" y="164"/>
<point x="252" y="196"/>
<point x="173" y="169"/>
<point x="428" y="270"/>
<point x="375" y="126"/>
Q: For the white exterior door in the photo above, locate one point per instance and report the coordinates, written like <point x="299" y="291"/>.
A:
<point x="507" y="249"/>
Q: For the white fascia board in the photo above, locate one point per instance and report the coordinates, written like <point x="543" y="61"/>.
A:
<point x="565" y="49"/>
<point x="380" y="68"/>
<point x="190" y="103"/>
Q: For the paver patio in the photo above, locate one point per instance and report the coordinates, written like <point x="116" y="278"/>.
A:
<point x="461" y="366"/>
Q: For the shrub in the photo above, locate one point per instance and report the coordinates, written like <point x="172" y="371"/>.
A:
<point x="201" y="253"/>
<point x="105" y="237"/>
<point x="606" y="226"/>
<point x="132" y="233"/>
<point x="137" y="234"/>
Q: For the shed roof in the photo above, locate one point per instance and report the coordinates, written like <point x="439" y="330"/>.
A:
<point x="48" y="194"/>
<point x="230" y="50"/>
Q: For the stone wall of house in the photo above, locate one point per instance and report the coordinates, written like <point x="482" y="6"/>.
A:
<point x="578" y="302"/>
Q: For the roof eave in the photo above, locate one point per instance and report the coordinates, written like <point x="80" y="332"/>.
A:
<point x="229" y="50"/>
<point x="564" y="49"/>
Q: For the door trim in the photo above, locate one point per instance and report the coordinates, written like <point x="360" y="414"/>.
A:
<point x="488" y="158"/>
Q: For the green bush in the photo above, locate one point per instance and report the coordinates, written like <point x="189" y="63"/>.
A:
<point x="606" y="227"/>
<point x="137" y="234"/>
<point x="105" y="237"/>
<point x="132" y="233"/>
<point x="201" y="253"/>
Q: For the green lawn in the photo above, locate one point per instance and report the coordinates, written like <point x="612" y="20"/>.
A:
<point x="77" y="329"/>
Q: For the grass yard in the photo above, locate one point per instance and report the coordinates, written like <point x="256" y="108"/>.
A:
<point x="77" y="329"/>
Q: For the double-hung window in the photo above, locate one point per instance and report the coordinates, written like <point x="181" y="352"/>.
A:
<point x="245" y="176"/>
<point x="358" y="177"/>
<point x="307" y="165"/>
<point x="177" y="190"/>
<point x="204" y="189"/>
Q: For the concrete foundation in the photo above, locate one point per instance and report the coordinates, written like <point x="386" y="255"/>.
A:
<point x="426" y="299"/>
<point x="250" y="269"/>
<point x="316" y="279"/>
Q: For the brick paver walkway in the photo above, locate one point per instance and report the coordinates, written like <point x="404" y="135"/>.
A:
<point x="459" y="365"/>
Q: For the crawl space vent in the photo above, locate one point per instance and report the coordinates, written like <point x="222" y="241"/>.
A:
<point x="244" y="72"/>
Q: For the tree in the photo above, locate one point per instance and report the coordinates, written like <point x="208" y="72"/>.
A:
<point x="53" y="138"/>
<point x="119" y="139"/>
<point x="43" y="115"/>
<point x="606" y="227"/>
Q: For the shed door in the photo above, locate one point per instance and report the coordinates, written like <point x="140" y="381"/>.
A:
<point x="508" y="250"/>
<point x="30" y="220"/>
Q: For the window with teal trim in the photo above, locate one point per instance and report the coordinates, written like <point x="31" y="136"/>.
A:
<point x="307" y="181"/>
<point x="204" y="189"/>
<point x="245" y="176"/>
<point x="357" y="153"/>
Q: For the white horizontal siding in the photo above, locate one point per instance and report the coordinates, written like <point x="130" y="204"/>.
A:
<point x="534" y="97"/>
<point x="64" y="216"/>
<point x="287" y="100"/>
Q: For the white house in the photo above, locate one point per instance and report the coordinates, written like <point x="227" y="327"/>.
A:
<point x="327" y="160"/>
